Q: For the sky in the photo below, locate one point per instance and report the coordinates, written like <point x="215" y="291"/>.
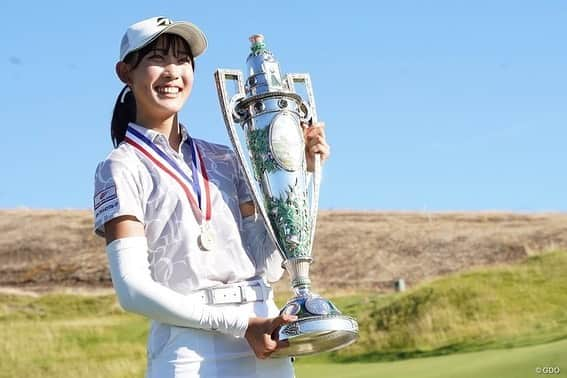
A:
<point x="428" y="105"/>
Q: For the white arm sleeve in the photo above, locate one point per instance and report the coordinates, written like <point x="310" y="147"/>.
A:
<point x="138" y="292"/>
<point x="261" y="248"/>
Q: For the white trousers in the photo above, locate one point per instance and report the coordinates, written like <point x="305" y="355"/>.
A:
<point x="177" y="352"/>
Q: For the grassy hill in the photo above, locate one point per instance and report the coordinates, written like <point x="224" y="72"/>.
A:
<point x="491" y="309"/>
<point x="498" y="307"/>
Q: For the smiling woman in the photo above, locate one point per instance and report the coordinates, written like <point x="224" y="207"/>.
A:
<point x="184" y="245"/>
<point x="168" y="56"/>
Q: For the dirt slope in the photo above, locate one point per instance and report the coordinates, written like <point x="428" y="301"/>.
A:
<point x="42" y="249"/>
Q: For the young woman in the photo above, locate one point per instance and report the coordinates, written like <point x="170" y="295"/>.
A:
<point x="184" y="245"/>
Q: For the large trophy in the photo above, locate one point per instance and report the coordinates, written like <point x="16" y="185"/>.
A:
<point x="270" y="113"/>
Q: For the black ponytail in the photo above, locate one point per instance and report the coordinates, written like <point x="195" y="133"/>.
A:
<point x="124" y="113"/>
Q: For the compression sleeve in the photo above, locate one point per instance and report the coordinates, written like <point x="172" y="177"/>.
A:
<point x="261" y="248"/>
<point x="138" y="292"/>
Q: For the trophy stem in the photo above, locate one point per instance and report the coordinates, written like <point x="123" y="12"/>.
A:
<point x="302" y="291"/>
<point x="298" y="269"/>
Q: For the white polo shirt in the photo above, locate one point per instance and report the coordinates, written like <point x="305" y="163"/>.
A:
<point x="129" y="183"/>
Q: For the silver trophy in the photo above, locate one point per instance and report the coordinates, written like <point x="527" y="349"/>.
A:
<point x="270" y="113"/>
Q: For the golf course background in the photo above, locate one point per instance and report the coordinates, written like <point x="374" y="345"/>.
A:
<point x="505" y="319"/>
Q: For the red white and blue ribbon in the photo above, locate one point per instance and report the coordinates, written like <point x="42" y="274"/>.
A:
<point x="192" y="187"/>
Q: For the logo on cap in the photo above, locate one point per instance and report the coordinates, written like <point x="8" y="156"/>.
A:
<point x="163" y="21"/>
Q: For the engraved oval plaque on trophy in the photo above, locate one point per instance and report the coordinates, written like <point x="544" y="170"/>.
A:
<point x="286" y="141"/>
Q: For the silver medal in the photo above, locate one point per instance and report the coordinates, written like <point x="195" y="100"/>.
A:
<point x="207" y="238"/>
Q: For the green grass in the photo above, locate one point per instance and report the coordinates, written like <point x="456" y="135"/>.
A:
<point x="94" y="341"/>
<point x="500" y="363"/>
<point x="491" y="309"/>
<point x="499" y="307"/>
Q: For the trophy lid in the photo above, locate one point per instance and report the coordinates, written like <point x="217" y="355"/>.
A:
<point x="263" y="69"/>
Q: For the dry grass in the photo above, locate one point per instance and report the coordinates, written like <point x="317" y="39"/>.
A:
<point x="42" y="249"/>
<point x="369" y="250"/>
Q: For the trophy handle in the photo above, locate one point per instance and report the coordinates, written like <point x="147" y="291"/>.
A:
<point x="228" y="105"/>
<point x="304" y="78"/>
<point x="231" y="117"/>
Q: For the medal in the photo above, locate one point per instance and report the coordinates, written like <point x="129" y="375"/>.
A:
<point x="206" y="238"/>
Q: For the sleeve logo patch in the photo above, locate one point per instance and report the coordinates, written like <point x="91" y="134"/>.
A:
<point x="104" y="196"/>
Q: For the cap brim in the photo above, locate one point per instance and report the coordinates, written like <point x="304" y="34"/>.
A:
<point x="189" y="32"/>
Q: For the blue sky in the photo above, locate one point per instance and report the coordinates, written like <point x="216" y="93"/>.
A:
<point x="429" y="105"/>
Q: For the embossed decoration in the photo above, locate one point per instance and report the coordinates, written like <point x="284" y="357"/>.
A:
<point x="292" y="309"/>
<point x="261" y="157"/>
<point x="318" y="306"/>
<point x="291" y="329"/>
<point x="286" y="141"/>
<point x="291" y="222"/>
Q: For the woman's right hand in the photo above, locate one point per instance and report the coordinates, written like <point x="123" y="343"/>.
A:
<point x="259" y="334"/>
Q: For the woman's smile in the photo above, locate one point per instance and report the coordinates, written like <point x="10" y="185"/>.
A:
<point x="168" y="91"/>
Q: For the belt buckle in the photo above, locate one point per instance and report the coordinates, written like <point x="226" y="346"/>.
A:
<point x="229" y="295"/>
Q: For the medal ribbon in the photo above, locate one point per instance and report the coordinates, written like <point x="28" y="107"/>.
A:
<point x="161" y="160"/>
<point x="200" y="172"/>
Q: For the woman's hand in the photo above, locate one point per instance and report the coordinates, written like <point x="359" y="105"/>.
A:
<point x="315" y="143"/>
<point x="259" y="334"/>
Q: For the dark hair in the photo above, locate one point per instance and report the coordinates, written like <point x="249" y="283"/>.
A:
<point x="125" y="106"/>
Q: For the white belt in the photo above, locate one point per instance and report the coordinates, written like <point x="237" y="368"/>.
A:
<point x="241" y="292"/>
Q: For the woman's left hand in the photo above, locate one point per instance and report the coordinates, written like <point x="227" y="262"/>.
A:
<point x="315" y="143"/>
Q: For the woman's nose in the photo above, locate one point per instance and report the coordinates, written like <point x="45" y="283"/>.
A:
<point x="171" y="70"/>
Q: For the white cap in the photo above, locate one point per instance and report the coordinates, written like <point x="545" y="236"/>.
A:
<point x="144" y="32"/>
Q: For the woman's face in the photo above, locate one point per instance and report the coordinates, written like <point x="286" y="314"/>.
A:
<point x="162" y="81"/>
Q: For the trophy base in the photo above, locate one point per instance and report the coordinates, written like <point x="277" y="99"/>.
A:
<point x="320" y="326"/>
<point x="317" y="334"/>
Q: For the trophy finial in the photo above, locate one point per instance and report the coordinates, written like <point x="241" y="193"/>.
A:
<point x="257" y="41"/>
<point x="256" y="38"/>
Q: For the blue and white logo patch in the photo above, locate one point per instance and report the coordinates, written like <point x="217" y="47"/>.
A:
<point x="104" y="196"/>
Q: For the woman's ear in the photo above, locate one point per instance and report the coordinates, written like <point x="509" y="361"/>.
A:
<point x="123" y="72"/>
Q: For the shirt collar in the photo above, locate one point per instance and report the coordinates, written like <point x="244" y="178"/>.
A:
<point x="153" y="135"/>
<point x="184" y="133"/>
<point x="148" y="133"/>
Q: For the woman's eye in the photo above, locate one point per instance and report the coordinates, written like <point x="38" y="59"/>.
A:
<point x="156" y="57"/>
